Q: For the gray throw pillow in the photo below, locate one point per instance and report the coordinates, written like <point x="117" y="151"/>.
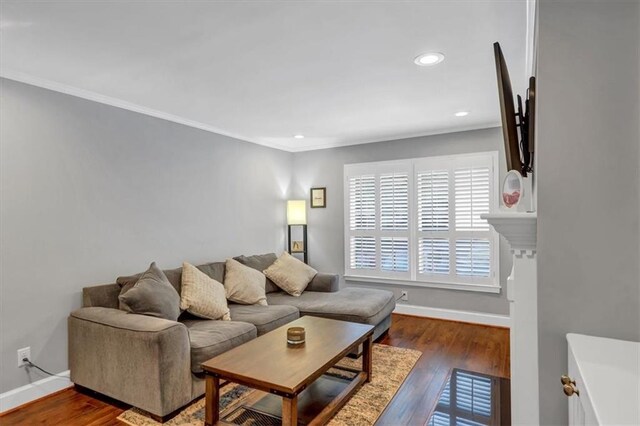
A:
<point x="173" y="275"/>
<point x="260" y="262"/>
<point x="151" y="295"/>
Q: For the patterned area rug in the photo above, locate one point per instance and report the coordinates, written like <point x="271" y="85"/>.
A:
<point x="391" y="366"/>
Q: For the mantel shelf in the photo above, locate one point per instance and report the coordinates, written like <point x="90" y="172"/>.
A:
<point x="518" y="228"/>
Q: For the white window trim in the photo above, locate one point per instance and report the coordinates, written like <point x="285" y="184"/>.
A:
<point x="492" y="285"/>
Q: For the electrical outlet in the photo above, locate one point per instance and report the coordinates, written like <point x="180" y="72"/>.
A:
<point x="404" y="295"/>
<point x="22" y="354"/>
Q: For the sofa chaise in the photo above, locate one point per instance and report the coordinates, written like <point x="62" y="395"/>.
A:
<point x="155" y="364"/>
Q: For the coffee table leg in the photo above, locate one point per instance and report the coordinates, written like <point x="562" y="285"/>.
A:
<point x="290" y="411"/>
<point x="367" y="365"/>
<point x="212" y="401"/>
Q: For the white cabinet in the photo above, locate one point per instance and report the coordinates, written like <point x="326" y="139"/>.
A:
<point x="576" y="409"/>
<point x="576" y="412"/>
<point x="606" y="378"/>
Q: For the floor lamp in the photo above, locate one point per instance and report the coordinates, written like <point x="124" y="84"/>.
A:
<point x="297" y="216"/>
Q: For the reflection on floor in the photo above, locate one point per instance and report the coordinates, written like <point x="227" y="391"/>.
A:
<point x="473" y="399"/>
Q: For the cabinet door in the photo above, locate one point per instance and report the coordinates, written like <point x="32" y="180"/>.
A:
<point x="576" y="411"/>
<point x="580" y="411"/>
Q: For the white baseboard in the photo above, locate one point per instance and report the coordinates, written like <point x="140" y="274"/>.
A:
<point x="454" y="315"/>
<point x="32" y="391"/>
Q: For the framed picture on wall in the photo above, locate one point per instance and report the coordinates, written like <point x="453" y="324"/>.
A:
<point x="318" y="198"/>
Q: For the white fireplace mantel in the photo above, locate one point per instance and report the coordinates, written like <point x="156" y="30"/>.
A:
<point x="520" y="229"/>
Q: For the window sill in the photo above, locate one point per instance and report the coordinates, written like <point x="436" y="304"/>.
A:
<point x="480" y="288"/>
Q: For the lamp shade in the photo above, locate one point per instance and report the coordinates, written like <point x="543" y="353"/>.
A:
<point x="296" y="212"/>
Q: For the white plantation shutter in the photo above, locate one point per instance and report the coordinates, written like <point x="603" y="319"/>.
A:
<point x="432" y="188"/>
<point x="394" y="202"/>
<point x="473" y="257"/>
<point x="378" y="230"/>
<point x="363" y="252"/>
<point x="362" y="202"/>
<point x="433" y="200"/>
<point x="394" y="254"/>
<point x="454" y="244"/>
<point x="472" y="198"/>
<point x="433" y="255"/>
<point x="419" y="220"/>
<point x="362" y="217"/>
<point x="394" y="216"/>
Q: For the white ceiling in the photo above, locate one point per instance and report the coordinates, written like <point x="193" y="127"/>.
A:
<point x="339" y="73"/>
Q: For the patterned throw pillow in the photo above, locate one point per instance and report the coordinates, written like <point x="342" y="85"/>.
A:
<point x="203" y="296"/>
<point x="244" y="285"/>
<point x="290" y="274"/>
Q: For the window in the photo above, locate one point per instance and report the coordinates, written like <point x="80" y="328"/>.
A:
<point x="419" y="220"/>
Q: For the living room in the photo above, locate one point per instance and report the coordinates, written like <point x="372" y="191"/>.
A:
<point x="218" y="137"/>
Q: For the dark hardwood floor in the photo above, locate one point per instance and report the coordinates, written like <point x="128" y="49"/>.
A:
<point x="445" y="344"/>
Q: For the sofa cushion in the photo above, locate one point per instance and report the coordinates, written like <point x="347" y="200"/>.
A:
<point x="326" y="283"/>
<point x="202" y="295"/>
<point x="265" y="318"/>
<point x="209" y="338"/>
<point x="260" y="262"/>
<point x="214" y="270"/>
<point x="243" y="284"/>
<point x="105" y="295"/>
<point x="290" y="274"/>
<point x="151" y="295"/>
<point x="362" y="305"/>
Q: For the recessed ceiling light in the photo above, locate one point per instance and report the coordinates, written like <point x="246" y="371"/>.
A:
<point x="428" y="59"/>
<point x="299" y="136"/>
<point x="461" y="113"/>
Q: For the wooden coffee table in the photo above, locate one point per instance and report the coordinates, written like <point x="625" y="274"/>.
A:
<point x="269" y="364"/>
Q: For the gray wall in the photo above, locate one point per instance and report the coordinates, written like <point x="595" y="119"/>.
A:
<point x="89" y="192"/>
<point x="326" y="226"/>
<point x="588" y="182"/>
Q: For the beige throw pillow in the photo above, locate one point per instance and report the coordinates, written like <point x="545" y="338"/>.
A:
<point x="290" y="274"/>
<point x="203" y="296"/>
<point x="244" y="284"/>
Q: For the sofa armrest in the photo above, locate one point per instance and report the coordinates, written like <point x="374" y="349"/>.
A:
<point x="141" y="360"/>
<point x="327" y="283"/>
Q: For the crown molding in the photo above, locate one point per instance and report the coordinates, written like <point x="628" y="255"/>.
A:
<point x="140" y="109"/>
<point x="119" y="103"/>
<point x="415" y="135"/>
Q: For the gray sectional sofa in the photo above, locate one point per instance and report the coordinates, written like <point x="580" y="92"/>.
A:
<point x="155" y="364"/>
